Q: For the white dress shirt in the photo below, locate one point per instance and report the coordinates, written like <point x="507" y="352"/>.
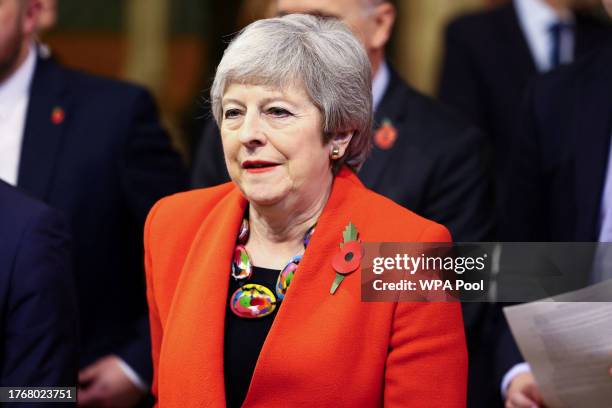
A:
<point x="380" y="82"/>
<point x="14" y="98"/>
<point x="535" y="18"/>
<point x="605" y="213"/>
<point x="602" y="268"/>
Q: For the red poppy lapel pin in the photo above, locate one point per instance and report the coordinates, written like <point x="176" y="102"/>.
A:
<point x="348" y="259"/>
<point x="57" y="115"/>
<point x="386" y="135"/>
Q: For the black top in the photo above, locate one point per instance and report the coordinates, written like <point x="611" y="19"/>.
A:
<point x="244" y="339"/>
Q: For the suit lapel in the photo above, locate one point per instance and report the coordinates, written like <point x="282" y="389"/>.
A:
<point x="46" y="118"/>
<point x="583" y="38"/>
<point x="523" y="64"/>
<point x="593" y="110"/>
<point x="392" y="110"/>
<point x="590" y="34"/>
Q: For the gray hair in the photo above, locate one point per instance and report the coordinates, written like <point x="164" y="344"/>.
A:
<point x="319" y="53"/>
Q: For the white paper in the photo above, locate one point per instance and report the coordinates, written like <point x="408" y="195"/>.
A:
<point x="567" y="341"/>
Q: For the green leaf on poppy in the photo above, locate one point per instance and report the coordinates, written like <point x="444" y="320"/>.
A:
<point x="337" y="281"/>
<point x="350" y="233"/>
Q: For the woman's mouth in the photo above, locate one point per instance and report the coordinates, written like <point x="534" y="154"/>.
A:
<point x="258" y="166"/>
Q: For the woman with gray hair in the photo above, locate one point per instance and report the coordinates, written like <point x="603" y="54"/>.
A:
<point x="252" y="293"/>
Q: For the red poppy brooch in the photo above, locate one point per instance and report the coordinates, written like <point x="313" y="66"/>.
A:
<point x="57" y="115"/>
<point x="386" y="135"/>
<point x="348" y="259"/>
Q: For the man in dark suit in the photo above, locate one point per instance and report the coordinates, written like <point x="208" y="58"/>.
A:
<point x="38" y="312"/>
<point x="561" y="153"/>
<point x="561" y="184"/>
<point x="491" y="55"/>
<point x="424" y="158"/>
<point x="92" y="148"/>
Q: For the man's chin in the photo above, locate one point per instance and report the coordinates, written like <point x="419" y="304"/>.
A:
<point x="9" y="58"/>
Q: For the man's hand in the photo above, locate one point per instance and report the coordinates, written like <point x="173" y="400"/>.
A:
<point x="523" y="392"/>
<point x="104" y="384"/>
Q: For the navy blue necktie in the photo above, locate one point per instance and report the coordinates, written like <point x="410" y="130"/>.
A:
<point x="556" y="33"/>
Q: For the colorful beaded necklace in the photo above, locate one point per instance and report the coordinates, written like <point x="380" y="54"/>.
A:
<point x="252" y="300"/>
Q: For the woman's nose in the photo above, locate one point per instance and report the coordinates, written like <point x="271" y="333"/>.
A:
<point x="251" y="131"/>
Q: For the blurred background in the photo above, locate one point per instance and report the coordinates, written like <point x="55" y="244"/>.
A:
<point x="173" y="46"/>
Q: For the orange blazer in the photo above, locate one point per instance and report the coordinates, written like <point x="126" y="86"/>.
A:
<point x="322" y="350"/>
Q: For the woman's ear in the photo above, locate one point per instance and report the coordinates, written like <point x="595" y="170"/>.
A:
<point x="339" y="143"/>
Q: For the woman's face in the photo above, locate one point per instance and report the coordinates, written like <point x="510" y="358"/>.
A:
<point x="273" y="147"/>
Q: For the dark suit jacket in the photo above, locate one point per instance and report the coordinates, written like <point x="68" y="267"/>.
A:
<point x="560" y="154"/>
<point x="38" y="312"/>
<point x="559" y="157"/>
<point x="436" y="168"/>
<point x="103" y="159"/>
<point x="488" y="64"/>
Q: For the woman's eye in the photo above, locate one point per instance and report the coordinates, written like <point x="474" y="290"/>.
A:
<point x="231" y="113"/>
<point x="279" y="112"/>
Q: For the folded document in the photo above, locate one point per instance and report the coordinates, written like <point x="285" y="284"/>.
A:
<point x="567" y="340"/>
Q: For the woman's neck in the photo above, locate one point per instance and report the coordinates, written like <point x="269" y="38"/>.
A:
<point x="277" y="232"/>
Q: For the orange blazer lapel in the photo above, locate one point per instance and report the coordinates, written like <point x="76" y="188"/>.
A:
<point x="196" y="320"/>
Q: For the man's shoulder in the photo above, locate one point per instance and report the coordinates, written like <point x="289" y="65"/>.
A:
<point x="17" y="208"/>
<point x="593" y="26"/>
<point x="103" y="107"/>
<point x="423" y="117"/>
<point x="473" y="25"/>
<point x="20" y="213"/>
<point x="91" y="87"/>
